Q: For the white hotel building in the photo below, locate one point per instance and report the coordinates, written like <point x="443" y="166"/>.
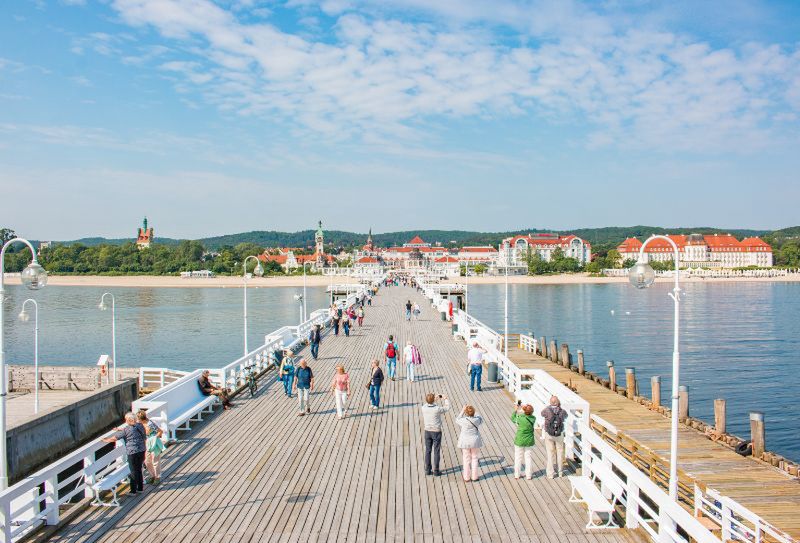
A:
<point x="514" y="251"/>
<point x="703" y="251"/>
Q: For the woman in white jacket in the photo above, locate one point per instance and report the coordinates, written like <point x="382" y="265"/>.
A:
<point x="470" y="441"/>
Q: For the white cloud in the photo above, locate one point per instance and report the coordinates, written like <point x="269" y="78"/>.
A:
<point x="381" y="77"/>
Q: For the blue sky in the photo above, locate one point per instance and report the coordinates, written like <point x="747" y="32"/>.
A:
<point x="218" y="117"/>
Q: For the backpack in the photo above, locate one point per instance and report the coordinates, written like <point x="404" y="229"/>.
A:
<point x="555" y="424"/>
<point x="390" y="350"/>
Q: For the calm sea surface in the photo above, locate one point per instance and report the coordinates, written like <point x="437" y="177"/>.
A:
<point x="738" y="341"/>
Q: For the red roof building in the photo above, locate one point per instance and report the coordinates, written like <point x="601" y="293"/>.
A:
<point x="697" y="250"/>
<point x="514" y="251"/>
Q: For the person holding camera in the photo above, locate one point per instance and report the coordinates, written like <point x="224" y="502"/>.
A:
<point x="524" y="439"/>
<point x="432" y="418"/>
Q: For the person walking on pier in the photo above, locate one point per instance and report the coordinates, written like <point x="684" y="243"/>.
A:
<point x="524" y="439"/>
<point x="314" y="339"/>
<point x="375" y="382"/>
<point x="346" y="326"/>
<point x="408" y="310"/>
<point x="153" y="448"/>
<point x="416" y="311"/>
<point x="390" y="354"/>
<point x="303" y="385"/>
<point x="135" y="437"/>
<point x="360" y="315"/>
<point x="340" y="387"/>
<point x="553" y="433"/>
<point x="470" y="441"/>
<point x="286" y="372"/>
<point x="475" y="366"/>
<point x="207" y="389"/>
<point x="432" y="419"/>
<point x="412" y="358"/>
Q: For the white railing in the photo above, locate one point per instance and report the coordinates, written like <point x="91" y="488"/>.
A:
<point x="155" y="378"/>
<point x="528" y="343"/>
<point x="735" y="522"/>
<point x="37" y="499"/>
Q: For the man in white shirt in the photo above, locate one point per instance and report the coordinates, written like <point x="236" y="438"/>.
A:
<point x="475" y="366"/>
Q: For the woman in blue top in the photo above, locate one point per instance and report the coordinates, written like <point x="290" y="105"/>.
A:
<point x="286" y="372"/>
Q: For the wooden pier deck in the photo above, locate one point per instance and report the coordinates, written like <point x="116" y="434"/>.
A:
<point x="260" y="473"/>
<point x="770" y="493"/>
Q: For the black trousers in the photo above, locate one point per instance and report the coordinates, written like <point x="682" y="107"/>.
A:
<point x="135" y="464"/>
<point x="433" y="442"/>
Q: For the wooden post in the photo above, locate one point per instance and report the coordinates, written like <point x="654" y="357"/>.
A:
<point x="630" y="382"/>
<point x="563" y="359"/>
<point x="581" y="368"/>
<point x="655" y="390"/>
<point x="757" y="433"/>
<point x="543" y="346"/>
<point x="612" y="376"/>
<point x="719" y="415"/>
<point x="553" y="350"/>
<point x="683" y="402"/>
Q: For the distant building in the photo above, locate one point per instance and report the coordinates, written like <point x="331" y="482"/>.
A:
<point x="472" y="256"/>
<point x="703" y="251"/>
<point x="514" y="251"/>
<point x="417" y="253"/>
<point x="289" y="260"/>
<point x="203" y="274"/>
<point x="145" y="236"/>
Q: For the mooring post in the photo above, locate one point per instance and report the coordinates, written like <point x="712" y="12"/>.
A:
<point x="564" y="358"/>
<point x="683" y="402"/>
<point x="581" y="368"/>
<point x="553" y="350"/>
<point x="719" y="415"/>
<point x="630" y="382"/>
<point x="543" y="346"/>
<point x="612" y="376"/>
<point x="655" y="390"/>
<point x="757" y="433"/>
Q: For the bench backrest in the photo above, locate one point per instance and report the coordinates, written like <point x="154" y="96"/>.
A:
<point x="178" y="396"/>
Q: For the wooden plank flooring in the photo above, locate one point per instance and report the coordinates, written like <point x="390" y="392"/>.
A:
<point x="771" y="493"/>
<point x="260" y="473"/>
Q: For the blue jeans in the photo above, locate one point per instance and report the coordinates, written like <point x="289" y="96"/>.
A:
<point x="375" y="394"/>
<point x="475" y="376"/>
<point x="408" y="314"/>
<point x="287" y="384"/>
<point x="391" y="363"/>
<point x="315" y="350"/>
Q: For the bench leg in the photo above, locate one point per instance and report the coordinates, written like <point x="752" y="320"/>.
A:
<point x="574" y="498"/>
<point x="608" y="524"/>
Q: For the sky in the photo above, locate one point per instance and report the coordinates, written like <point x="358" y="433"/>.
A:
<point x="213" y="117"/>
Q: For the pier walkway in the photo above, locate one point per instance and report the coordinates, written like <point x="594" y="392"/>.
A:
<point x="261" y="473"/>
<point x="640" y="432"/>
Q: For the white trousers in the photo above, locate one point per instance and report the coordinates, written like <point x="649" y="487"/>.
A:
<point x="341" y="401"/>
<point x="527" y="452"/>
<point x="554" y="447"/>
<point x="409" y="371"/>
<point x="302" y="398"/>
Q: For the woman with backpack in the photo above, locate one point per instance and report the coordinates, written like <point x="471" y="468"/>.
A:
<point x="553" y="433"/>
<point x="470" y="441"/>
<point x="524" y="439"/>
<point x="286" y="372"/>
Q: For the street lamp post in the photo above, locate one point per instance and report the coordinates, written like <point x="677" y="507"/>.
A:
<point x="103" y="307"/>
<point x="33" y="277"/>
<point x="24" y="317"/>
<point x="332" y="274"/>
<point x="641" y="275"/>
<point x="466" y="290"/>
<point x="505" y="339"/>
<point x="305" y="306"/>
<point x="259" y="271"/>
<point x="301" y="298"/>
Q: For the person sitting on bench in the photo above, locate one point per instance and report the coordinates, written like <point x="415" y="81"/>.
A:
<point x="208" y="389"/>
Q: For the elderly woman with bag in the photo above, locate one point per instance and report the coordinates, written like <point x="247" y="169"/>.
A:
<point x="470" y="441"/>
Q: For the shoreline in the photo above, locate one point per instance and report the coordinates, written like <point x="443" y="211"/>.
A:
<point x="169" y="281"/>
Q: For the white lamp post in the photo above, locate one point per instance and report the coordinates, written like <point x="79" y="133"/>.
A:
<point x="305" y="306"/>
<point x="103" y="306"/>
<point x="259" y="271"/>
<point x="300" y="298"/>
<point x="466" y="290"/>
<point x="641" y="275"/>
<point x="332" y="274"/>
<point x="505" y="339"/>
<point x="33" y="277"/>
<point x="24" y="316"/>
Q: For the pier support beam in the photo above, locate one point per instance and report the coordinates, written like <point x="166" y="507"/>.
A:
<point x="757" y="433"/>
<point x="655" y="391"/>
<point x="563" y="358"/>
<point x="630" y="382"/>
<point x="683" y="402"/>
<point x="612" y="376"/>
<point x="719" y="415"/>
<point x="543" y="346"/>
<point x="553" y="350"/>
<point x="581" y="367"/>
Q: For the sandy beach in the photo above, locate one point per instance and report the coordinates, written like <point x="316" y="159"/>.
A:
<point x="323" y="281"/>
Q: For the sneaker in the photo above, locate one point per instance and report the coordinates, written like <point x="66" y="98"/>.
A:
<point x="437" y="473"/>
<point x="149" y="480"/>
<point x="132" y="493"/>
<point x="560" y="474"/>
<point x="308" y="410"/>
<point x="429" y="473"/>
<point x="300" y="414"/>
<point x="157" y="481"/>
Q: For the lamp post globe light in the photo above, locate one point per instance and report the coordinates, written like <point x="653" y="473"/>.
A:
<point x="103" y="306"/>
<point x="24" y="316"/>
<point x="33" y="277"/>
<point x="259" y="271"/>
<point x="300" y="298"/>
<point x="641" y="276"/>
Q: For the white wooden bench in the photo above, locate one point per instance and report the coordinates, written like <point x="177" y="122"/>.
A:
<point x="110" y="481"/>
<point x="585" y="491"/>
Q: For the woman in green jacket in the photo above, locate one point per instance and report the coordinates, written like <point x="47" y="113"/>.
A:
<point x="524" y="440"/>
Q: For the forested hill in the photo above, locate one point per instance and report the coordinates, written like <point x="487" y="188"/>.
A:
<point x="606" y="237"/>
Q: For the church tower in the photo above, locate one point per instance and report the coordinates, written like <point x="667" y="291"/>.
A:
<point x="319" y="242"/>
<point x="145" y="235"/>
